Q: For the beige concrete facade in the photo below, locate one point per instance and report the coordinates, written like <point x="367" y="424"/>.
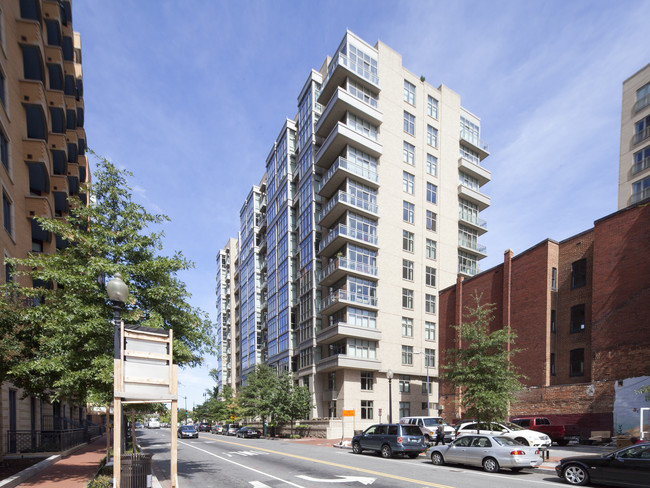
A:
<point x="227" y="304"/>
<point x="634" y="167"/>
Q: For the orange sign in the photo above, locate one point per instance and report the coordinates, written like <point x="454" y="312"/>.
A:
<point x="348" y="413"/>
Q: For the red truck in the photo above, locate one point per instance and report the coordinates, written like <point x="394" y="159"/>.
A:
<point x="561" y="434"/>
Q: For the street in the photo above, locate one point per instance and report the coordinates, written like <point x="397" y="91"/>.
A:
<point x="219" y="461"/>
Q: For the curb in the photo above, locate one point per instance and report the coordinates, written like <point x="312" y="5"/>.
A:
<point x="27" y="473"/>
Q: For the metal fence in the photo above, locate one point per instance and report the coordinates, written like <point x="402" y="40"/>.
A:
<point x="26" y="441"/>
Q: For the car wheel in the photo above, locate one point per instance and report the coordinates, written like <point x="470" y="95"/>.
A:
<point x="413" y="455"/>
<point x="386" y="451"/>
<point x="575" y="475"/>
<point x="356" y="448"/>
<point x="523" y="441"/>
<point x="437" y="459"/>
<point x="491" y="465"/>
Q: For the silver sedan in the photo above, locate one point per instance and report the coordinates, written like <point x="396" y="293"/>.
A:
<point x="490" y="451"/>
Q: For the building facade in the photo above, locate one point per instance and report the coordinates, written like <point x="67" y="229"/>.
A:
<point x="634" y="167"/>
<point x="374" y="191"/>
<point x="226" y="319"/>
<point x="579" y="308"/>
<point x="43" y="162"/>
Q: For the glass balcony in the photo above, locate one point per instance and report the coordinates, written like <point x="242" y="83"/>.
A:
<point x="342" y="298"/>
<point x="469" y="270"/>
<point x="483" y="201"/>
<point x="641" y="165"/>
<point x="341" y="67"/>
<point x="476" y="223"/>
<point x="343" y="102"/>
<point x="341" y="202"/>
<point x="473" y="246"/>
<point x="341" y="136"/>
<point x="472" y="139"/>
<point x="474" y="168"/>
<point x="641" y="195"/>
<point x="342" y="233"/>
<point x="341" y="169"/>
<point x="641" y="136"/>
<point x="642" y="103"/>
<point x="341" y="266"/>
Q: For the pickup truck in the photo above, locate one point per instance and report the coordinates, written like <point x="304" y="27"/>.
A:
<point x="557" y="433"/>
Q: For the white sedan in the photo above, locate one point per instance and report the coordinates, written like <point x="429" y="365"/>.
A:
<point x="506" y="429"/>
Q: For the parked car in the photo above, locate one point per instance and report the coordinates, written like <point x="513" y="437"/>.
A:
<point x="153" y="424"/>
<point x="204" y="427"/>
<point x="492" y="452"/>
<point x="627" y="467"/>
<point x="558" y="433"/>
<point x="232" y="429"/>
<point x="217" y="429"/>
<point x="248" y="432"/>
<point x="187" y="431"/>
<point x="138" y="425"/>
<point x="506" y="429"/>
<point x="388" y="439"/>
<point x="429" y="427"/>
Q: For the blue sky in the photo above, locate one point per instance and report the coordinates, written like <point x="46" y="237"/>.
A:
<point x="190" y="96"/>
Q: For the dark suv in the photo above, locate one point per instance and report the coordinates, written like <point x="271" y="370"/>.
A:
<point x="390" y="438"/>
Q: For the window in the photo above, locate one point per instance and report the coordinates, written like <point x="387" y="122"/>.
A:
<point x="553" y="324"/>
<point x="407" y="327"/>
<point x="331" y="380"/>
<point x="36" y="126"/>
<point x="467" y="263"/>
<point x="56" y="76"/>
<point x="641" y="160"/>
<point x="3" y="95"/>
<point x="360" y="348"/>
<point x="430" y="358"/>
<point x="552" y="364"/>
<point x="431" y="220"/>
<point x="641" y="190"/>
<point x="409" y="123"/>
<point x="430" y="276"/>
<point x="407" y="269"/>
<point x="409" y="92"/>
<point x="404" y="409"/>
<point x="408" y="212"/>
<point x="579" y="273"/>
<point x="407" y="354"/>
<point x="404" y="383"/>
<point x="432" y="165"/>
<point x="407" y="298"/>
<point x="577" y="362"/>
<point x="432" y="136"/>
<point x="367" y="380"/>
<point x="331" y="409"/>
<point x="71" y="119"/>
<point x="29" y="9"/>
<point x="32" y="67"/>
<point x="642" y="97"/>
<point x="469" y="155"/>
<point x="7" y="209"/>
<point x="366" y="409"/>
<point x="67" y="48"/>
<point x="554" y="279"/>
<point x="577" y="318"/>
<point x="469" y="131"/>
<point x="4" y="150"/>
<point x="53" y="32"/>
<point x="430" y="331"/>
<point x="468" y="181"/>
<point x="432" y="107"/>
<point x="408" y="182"/>
<point x="432" y="193"/>
<point x="427" y="388"/>
<point x="431" y="249"/>
<point x="429" y="303"/>
<point x="58" y="120"/>
<point x="408" y="239"/>
<point x="641" y="129"/>
<point x="408" y="155"/>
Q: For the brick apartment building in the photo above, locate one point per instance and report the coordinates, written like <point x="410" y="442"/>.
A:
<point x="581" y="310"/>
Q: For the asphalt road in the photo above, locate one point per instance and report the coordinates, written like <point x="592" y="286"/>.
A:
<point x="220" y="461"/>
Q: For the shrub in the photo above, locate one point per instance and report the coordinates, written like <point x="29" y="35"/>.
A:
<point x="101" y="481"/>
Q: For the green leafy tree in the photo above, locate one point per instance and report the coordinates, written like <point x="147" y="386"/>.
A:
<point x="69" y="348"/>
<point x="481" y="366"/>
<point x="259" y="397"/>
<point x="293" y="402"/>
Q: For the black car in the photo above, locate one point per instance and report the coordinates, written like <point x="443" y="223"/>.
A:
<point x="388" y="439"/>
<point x="187" y="431"/>
<point x="204" y="427"/>
<point x="249" y="432"/>
<point x="628" y="467"/>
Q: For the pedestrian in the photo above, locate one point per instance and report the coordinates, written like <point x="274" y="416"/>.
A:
<point x="440" y="435"/>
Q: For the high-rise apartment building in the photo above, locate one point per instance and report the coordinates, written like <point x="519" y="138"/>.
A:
<point x="373" y="192"/>
<point x="634" y="168"/>
<point x="226" y="319"/>
<point x="42" y="145"/>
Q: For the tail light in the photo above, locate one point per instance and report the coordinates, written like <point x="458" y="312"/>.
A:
<point x="517" y="453"/>
<point x="400" y="440"/>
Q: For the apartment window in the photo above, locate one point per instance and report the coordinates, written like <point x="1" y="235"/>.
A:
<point x="431" y="220"/>
<point x="404" y="409"/>
<point x="430" y="331"/>
<point x="552" y="364"/>
<point x="32" y="67"/>
<point x="408" y="182"/>
<point x="36" y="126"/>
<point x="554" y="279"/>
<point x="641" y="190"/>
<point x="7" y="217"/>
<point x="367" y="380"/>
<point x="404" y="383"/>
<point x="427" y="388"/>
<point x="430" y="276"/>
<point x="53" y="32"/>
<point x="469" y="155"/>
<point x="577" y="362"/>
<point x="431" y="249"/>
<point x="641" y="160"/>
<point x="641" y="129"/>
<point x="71" y="119"/>
<point x="408" y="212"/>
<point x="360" y="348"/>
<point x="56" y="76"/>
<point x="409" y="92"/>
<point x="407" y="327"/>
<point x="8" y="276"/>
<point x="408" y="155"/>
<point x="432" y="107"/>
<point x="408" y="240"/>
<point x="331" y="409"/>
<point x="468" y="181"/>
<point x="409" y="123"/>
<point x="331" y="381"/>
<point x="3" y="95"/>
<point x="579" y="273"/>
<point x="469" y="131"/>
<point x="432" y="165"/>
<point x="58" y="120"/>
<point x="429" y="303"/>
<point x="577" y="318"/>
<point x="30" y="9"/>
<point x="4" y="150"/>
<point x="407" y="354"/>
<point x="366" y="409"/>
<point x="407" y="269"/>
<point x="67" y="47"/>
<point x="467" y="263"/>
<point x="429" y="358"/>
<point x="432" y="193"/>
<point x="432" y="136"/>
<point x="553" y="323"/>
<point x="407" y="298"/>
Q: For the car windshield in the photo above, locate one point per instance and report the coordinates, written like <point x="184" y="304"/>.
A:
<point x="187" y="427"/>
<point x="433" y="422"/>
<point x="504" y="441"/>
<point x="512" y="426"/>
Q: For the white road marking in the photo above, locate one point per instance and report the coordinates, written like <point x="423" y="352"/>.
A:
<point x="342" y="479"/>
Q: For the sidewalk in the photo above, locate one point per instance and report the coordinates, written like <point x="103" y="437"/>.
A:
<point x="72" y="471"/>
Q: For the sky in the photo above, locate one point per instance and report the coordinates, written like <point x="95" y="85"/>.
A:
<point x="190" y="96"/>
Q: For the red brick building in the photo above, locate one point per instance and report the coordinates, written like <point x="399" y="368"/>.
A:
<point x="581" y="311"/>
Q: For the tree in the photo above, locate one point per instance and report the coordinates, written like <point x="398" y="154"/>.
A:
<point x="259" y="397"/>
<point x="293" y="402"/>
<point x="69" y="348"/>
<point x="481" y="366"/>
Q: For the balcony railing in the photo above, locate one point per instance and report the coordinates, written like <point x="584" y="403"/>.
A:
<point x="351" y="167"/>
<point x="641" y="195"/>
<point x="642" y="135"/>
<point x="352" y="200"/>
<point x="473" y="139"/>
<point x="642" y="103"/>
<point x="477" y="221"/>
<point x="357" y="68"/>
<point x="468" y="270"/>
<point x="346" y="296"/>
<point x="351" y="232"/>
<point x="468" y="243"/>
<point x="641" y="165"/>
<point x="347" y="264"/>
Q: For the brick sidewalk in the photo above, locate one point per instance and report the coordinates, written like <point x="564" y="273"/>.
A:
<point x="74" y="471"/>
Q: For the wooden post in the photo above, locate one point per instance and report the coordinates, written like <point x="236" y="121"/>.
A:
<point x="174" y="443"/>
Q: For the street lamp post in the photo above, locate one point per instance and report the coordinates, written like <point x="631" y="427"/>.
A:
<point x="389" y="375"/>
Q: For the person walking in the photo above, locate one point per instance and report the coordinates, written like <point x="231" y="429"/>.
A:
<point x="440" y="435"/>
